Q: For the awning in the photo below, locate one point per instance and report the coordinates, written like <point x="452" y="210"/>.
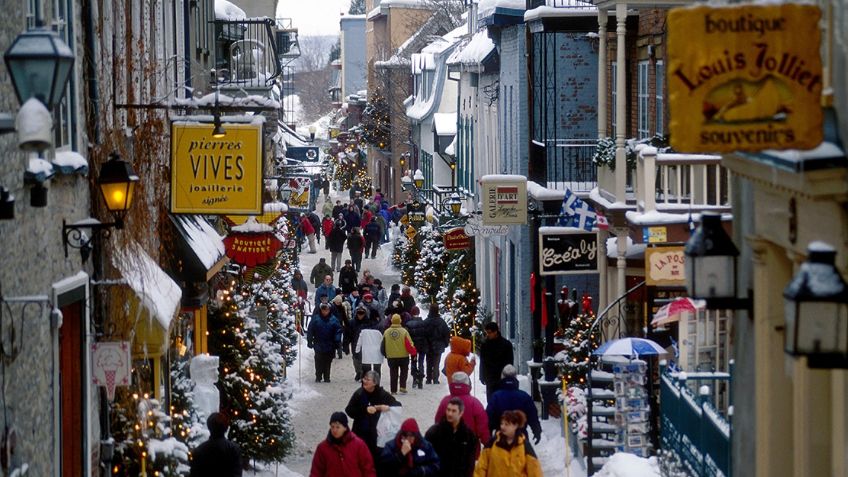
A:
<point x="201" y="248"/>
<point x="157" y="292"/>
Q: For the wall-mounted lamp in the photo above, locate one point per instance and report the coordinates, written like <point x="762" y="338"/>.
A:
<point x="405" y="182"/>
<point x="711" y="267"/>
<point x="285" y="194"/>
<point x="816" y="310"/>
<point x="39" y="64"/>
<point x="404" y="158"/>
<point x="418" y="178"/>
<point x="455" y="204"/>
<point x="218" y="132"/>
<point x="117" y="182"/>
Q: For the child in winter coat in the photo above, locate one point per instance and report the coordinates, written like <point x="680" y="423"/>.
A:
<point x="457" y="359"/>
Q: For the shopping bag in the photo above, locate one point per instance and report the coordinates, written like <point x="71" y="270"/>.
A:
<point x="388" y="425"/>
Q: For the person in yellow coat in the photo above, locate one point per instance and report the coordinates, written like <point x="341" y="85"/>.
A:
<point x="509" y="454"/>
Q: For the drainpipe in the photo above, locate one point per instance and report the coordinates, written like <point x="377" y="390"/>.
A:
<point x="91" y="72"/>
<point x="187" y="48"/>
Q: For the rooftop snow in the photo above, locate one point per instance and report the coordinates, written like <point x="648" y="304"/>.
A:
<point x="445" y="123"/>
<point x="203" y="239"/>
<point x="487" y="7"/>
<point x="576" y="8"/>
<point x="225" y="10"/>
<point x="157" y="291"/>
<point x="475" y="52"/>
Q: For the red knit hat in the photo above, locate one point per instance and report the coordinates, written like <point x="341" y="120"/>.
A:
<point x="367" y="296"/>
<point x="410" y="425"/>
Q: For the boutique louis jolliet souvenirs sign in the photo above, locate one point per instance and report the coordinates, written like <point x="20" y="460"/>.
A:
<point x="744" y="78"/>
<point x="566" y="250"/>
<point x="216" y="175"/>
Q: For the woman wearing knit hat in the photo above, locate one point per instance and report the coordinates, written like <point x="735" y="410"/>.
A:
<point x="409" y="453"/>
<point x="342" y="452"/>
<point x="397" y="346"/>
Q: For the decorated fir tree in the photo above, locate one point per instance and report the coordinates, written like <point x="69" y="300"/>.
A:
<point x="187" y="425"/>
<point x="430" y="269"/>
<point x="579" y="344"/>
<point x="275" y="299"/>
<point x="376" y="123"/>
<point x="458" y="297"/>
<point x="252" y="373"/>
<point x="144" y="444"/>
<point x="399" y="252"/>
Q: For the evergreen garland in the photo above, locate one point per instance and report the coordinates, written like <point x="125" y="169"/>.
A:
<point x="605" y="152"/>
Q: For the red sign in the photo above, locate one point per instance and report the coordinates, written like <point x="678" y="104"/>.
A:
<point x="507" y="195"/>
<point x="455" y="239"/>
<point x="252" y="249"/>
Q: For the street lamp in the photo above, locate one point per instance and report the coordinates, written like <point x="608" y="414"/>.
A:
<point x="711" y="260"/>
<point x="312" y="130"/>
<point x="218" y="132"/>
<point x="455" y="204"/>
<point x="418" y="178"/>
<point x="117" y="182"/>
<point x="816" y="310"/>
<point x="39" y="64"/>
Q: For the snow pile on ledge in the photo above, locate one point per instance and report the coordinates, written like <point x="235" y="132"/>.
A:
<point x="622" y="464"/>
<point x="68" y="162"/>
<point x="225" y="10"/>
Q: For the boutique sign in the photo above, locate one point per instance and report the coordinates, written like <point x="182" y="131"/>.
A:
<point x="212" y="175"/>
<point x="504" y="199"/>
<point x="744" y="78"/>
<point x="566" y="250"/>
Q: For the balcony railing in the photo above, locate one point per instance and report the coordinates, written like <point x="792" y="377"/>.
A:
<point x="575" y="4"/>
<point x="246" y="54"/>
<point x="680" y="182"/>
<point x="570" y="164"/>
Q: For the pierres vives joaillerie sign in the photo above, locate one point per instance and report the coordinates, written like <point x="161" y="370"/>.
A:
<point x="216" y="175"/>
<point x="744" y="78"/>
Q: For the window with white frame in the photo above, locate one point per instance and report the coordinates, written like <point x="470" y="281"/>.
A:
<point x="660" y="81"/>
<point x="614" y="95"/>
<point x="642" y="128"/>
<point x="64" y="121"/>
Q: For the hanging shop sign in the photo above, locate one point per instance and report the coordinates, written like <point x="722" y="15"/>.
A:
<point x="303" y="153"/>
<point x="301" y="187"/>
<point x="566" y="251"/>
<point x="111" y="365"/>
<point x="457" y="239"/>
<point x="474" y="227"/>
<point x="744" y="78"/>
<point x="216" y="175"/>
<point x="504" y="200"/>
<point x="252" y="249"/>
<point x="417" y="214"/>
<point x="657" y="234"/>
<point x="665" y="266"/>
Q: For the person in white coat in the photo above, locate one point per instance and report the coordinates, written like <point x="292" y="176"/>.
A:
<point x="368" y="344"/>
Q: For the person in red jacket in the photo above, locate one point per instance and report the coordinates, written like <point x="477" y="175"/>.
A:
<point x="326" y="228"/>
<point x="342" y="453"/>
<point x="474" y="416"/>
<point x="308" y="232"/>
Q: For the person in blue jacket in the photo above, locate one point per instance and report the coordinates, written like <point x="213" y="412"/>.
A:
<point x="408" y="454"/>
<point x="509" y="398"/>
<point x="324" y="335"/>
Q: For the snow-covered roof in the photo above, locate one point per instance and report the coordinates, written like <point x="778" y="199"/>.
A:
<point x="543" y="193"/>
<point x="426" y="102"/>
<point x="422" y="62"/>
<point x="225" y="10"/>
<point x="634" y="250"/>
<point x="202" y="238"/>
<point x="475" y="51"/>
<point x="656" y="217"/>
<point x="487" y="7"/>
<point x="252" y="226"/>
<point x="157" y="292"/>
<point x="576" y="8"/>
<point x="349" y="17"/>
<point x="218" y="99"/>
<point x="445" y="123"/>
<point x="68" y="162"/>
<point x="446" y="41"/>
<point x="394" y="62"/>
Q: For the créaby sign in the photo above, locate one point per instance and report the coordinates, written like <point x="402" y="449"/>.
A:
<point x="567" y="250"/>
<point x="744" y="78"/>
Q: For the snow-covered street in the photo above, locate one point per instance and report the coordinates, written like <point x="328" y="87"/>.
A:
<point x="312" y="403"/>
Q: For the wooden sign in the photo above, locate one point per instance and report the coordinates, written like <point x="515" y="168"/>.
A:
<point x="456" y="239"/>
<point x="665" y="266"/>
<point x="504" y="200"/>
<point x="744" y="78"/>
<point x="567" y="250"/>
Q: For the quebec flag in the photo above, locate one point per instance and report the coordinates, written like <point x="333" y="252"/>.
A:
<point x="576" y="213"/>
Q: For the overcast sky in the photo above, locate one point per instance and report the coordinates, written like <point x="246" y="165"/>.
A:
<point x="314" y="17"/>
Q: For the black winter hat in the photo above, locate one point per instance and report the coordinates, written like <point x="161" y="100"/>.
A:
<point x="339" y="417"/>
